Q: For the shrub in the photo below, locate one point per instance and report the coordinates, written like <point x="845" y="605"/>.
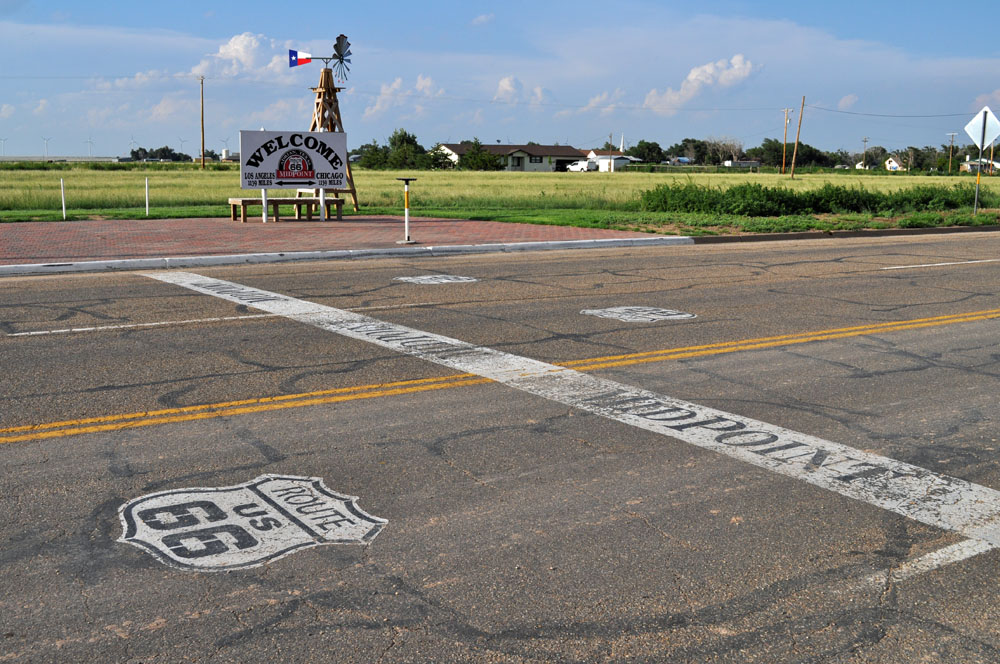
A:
<point x="755" y="200"/>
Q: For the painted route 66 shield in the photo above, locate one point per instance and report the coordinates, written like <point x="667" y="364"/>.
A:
<point x="249" y="524"/>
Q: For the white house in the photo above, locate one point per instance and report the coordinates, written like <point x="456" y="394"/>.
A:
<point x="613" y="163"/>
<point x="985" y="164"/>
<point x="537" y="158"/>
<point x="892" y="165"/>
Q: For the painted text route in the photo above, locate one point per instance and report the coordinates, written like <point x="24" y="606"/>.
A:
<point x="911" y="491"/>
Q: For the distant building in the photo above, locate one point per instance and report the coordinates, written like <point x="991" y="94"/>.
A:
<point x="741" y="163"/>
<point x="536" y="158"/>
<point x="892" y="164"/>
<point x="986" y="165"/>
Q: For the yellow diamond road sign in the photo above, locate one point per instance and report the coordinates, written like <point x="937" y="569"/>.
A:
<point x="975" y="127"/>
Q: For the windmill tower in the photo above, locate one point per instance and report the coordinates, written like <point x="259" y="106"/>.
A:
<point x="326" y="112"/>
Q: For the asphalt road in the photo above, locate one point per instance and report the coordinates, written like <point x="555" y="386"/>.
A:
<point x="810" y="475"/>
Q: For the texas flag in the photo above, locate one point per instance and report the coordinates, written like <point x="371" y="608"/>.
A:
<point x="296" y="58"/>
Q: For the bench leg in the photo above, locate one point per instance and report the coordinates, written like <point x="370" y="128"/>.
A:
<point x="274" y="208"/>
<point x="232" y="211"/>
<point x="243" y="213"/>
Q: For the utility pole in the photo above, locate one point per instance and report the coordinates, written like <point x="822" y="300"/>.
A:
<point x="784" y="141"/>
<point x="951" y="147"/>
<point x="798" y="131"/>
<point x="864" y="153"/>
<point x="202" y="79"/>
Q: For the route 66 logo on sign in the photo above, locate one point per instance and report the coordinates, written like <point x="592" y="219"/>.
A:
<point x="249" y="524"/>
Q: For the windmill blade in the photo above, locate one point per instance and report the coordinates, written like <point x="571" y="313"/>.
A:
<point x="342" y="47"/>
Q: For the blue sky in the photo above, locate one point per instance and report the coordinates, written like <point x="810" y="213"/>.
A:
<point x="99" y="76"/>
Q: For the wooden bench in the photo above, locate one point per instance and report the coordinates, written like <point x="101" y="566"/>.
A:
<point x="274" y="203"/>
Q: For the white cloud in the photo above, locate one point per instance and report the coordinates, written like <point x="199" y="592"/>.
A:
<point x="847" y="101"/>
<point x="508" y="90"/>
<point x="483" y="19"/>
<point x="721" y="74"/>
<point x="6" y="111"/>
<point x="281" y="113"/>
<point x="604" y="103"/>
<point x="990" y="99"/>
<point x="174" y="108"/>
<point x="43" y="105"/>
<point x="538" y="96"/>
<point x="393" y="95"/>
<point x="140" y="79"/>
<point x="425" y="86"/>
<point x="388" y="97"/>
<point x="242" y="54"/>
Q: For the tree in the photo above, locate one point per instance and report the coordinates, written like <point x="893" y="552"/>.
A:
<point x="647" y="151"/>
<point x="478" y="159"/>
<point x="406" y="152"/>
<point x="373" y="155"/>
<point x="164" y="152"/>
<point x="439" y="158"/>
<point x="692" y="148"/>
<point x="768" y="153"/>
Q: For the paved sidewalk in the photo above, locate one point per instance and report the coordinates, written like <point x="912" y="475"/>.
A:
<point x="103" y="240"/>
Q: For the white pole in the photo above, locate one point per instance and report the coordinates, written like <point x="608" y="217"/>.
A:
<point x="263" y="196"/>
<point x="62" y="194"/>
<point x="322" y="204"/>
<point x="147" y="197"/>
<point x="406" y="211"/>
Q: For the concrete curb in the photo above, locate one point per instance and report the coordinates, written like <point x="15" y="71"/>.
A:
<point x="167" y="263"/>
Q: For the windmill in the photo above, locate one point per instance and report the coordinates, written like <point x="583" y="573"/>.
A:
<point x="326" y="111"/>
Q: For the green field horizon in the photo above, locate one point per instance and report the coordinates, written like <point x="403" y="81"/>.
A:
<point x="607" y="200"/>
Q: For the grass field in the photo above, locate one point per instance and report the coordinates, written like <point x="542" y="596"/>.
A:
<point x="610" y="200"/>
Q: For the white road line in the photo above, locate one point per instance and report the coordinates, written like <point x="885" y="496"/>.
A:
<point x="929" y="561"/>
<point x="907" y="267"/>
<point x="949" y="503"/>
<point x="127" y="326"/>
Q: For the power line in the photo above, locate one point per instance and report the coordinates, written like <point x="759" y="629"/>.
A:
<point x="888" y="115"/>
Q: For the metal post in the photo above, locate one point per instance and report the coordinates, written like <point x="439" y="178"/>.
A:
<point x="322" y="204"/>
<point x="979" y="166"/>
<point x="147" y="197"/>
<point x="62" y="194"/>
<point x="263" y="199"/>
<point x="406" y="210"/>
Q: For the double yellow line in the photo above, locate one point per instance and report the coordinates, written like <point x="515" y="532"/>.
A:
<point x="247" y="406"/>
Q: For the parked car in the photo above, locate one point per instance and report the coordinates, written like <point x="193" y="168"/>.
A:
<point x="582" y="166"/>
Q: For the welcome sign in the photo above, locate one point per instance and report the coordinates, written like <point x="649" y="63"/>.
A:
<point x="293" y="159"/>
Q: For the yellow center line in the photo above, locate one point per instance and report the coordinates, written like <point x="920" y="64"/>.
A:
<point x="247" y="406"/>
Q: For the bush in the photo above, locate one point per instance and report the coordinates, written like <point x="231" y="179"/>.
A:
<point x="754" y="200"/>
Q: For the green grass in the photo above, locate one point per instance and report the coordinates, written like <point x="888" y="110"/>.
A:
<point x="597" y="200"/>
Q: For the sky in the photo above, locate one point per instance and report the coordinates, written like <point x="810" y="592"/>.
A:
<point x="104" y="76"/>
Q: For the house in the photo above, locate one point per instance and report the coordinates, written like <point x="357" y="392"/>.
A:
<point x="612" y="163"/>
<point x="608" y="159"/>
<point x="892" y="164"/>
<point x="597" y="154"/>
<point x="742" y="163"/>
<point x="532" y="157"/>
<point x="986" y="165"/>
